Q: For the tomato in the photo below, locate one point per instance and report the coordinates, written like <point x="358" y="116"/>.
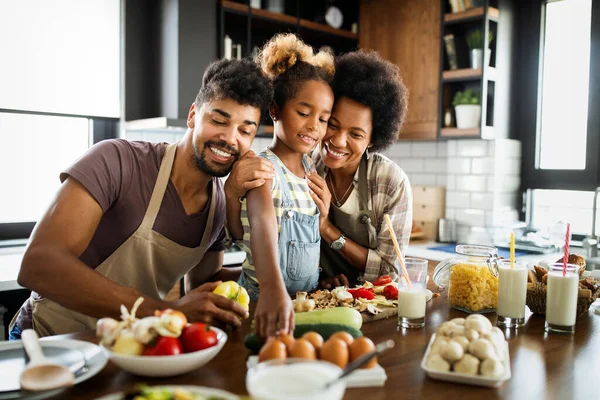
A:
<point x="164" y="346"/>
<point x="382" y="280"/>
<point x="390" y="292"/>
<point x="198" y="336"/>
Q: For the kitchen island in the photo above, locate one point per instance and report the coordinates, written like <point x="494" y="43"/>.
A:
<point x="544" y="366"/>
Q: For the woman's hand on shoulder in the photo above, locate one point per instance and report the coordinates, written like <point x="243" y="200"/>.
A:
<point x="321" y="196"/>
<point x="249" y="172"/>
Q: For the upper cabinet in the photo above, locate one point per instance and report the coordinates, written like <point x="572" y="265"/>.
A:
<point x="407" y="32"/>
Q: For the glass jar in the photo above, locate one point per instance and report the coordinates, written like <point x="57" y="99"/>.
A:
<point x="471" y="277"/>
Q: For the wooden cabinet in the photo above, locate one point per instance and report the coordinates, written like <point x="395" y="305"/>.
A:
<point x="407" y="32"/>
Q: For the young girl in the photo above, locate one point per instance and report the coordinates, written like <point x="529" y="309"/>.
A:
<point x="280" y="219"/>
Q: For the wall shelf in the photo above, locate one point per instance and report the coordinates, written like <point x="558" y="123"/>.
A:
<point x="456" y="132"/>
<point x="463" y="74"/>
<point x="471" y="14"/>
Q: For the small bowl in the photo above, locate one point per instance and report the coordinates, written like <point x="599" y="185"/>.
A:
<point x="294" y="379"/>
<point x="162" y="366"/>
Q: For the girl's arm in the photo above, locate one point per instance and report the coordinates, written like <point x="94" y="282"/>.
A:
<point x="274" y="311"/>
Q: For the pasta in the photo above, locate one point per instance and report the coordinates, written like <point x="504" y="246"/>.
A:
<point x="472" y="287"/>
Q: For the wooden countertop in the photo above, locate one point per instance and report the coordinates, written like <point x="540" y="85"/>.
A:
<point x="543" y="365"/>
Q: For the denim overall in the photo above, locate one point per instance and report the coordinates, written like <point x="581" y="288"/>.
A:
<point x="299" y="243"/>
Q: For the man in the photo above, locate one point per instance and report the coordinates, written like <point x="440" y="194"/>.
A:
<point x="132" y="218"/>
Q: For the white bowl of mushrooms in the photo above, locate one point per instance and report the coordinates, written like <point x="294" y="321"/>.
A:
<point x="468" y="350"/>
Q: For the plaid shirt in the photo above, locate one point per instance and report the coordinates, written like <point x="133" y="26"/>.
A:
<point x="389" y="193"/>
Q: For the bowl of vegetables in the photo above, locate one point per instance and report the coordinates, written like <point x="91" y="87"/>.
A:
<point x="158" y="346"/>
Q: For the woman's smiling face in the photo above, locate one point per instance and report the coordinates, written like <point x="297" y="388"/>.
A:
<point x="348" y="134"/>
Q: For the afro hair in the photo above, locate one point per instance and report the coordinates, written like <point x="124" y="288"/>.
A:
<point x="365" y="77"/>
<point x="240" y="80"/>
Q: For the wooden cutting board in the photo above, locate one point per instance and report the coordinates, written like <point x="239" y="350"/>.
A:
<point x="386" y="312"/>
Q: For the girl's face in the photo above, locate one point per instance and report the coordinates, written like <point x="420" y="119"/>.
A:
<point x="302" y="121"/>
<point x="348" y="134"/>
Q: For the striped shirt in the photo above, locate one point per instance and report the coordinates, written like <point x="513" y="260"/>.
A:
<point x="302" y="203"/>
<point x="389" y="193"/>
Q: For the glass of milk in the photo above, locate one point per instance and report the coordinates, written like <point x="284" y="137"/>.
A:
<point x="294" y="379"/>
<point x="412" y="298"/>
<point x="512" y="292"/>
<point x="561" y="298"/>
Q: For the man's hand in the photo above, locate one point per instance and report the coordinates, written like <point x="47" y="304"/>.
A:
<point x="274" y="312"/>
<point x="322" y="197"/>
<point x="202" y="305"/>
<point x="249" y="171"/>
<point x="334" y="281"/>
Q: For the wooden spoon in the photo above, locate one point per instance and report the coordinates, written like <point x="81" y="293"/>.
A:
<point x="40" y="373"/>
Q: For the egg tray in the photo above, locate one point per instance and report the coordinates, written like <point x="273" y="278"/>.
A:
<point x="536" y="300"/>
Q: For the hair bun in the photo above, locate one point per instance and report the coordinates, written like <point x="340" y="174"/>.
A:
<point x="281" y="53"/>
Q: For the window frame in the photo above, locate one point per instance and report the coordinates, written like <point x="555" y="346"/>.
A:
<point x="530" y="107"/>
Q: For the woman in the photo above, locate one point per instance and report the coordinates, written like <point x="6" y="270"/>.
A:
<point x="370" y="106"/>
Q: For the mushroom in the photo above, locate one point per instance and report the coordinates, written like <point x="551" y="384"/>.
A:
<point x="496" y="337"/>
<point x="451" y="329"/>
<point x="107" y="330"/>
<point x="343" y="295"/>
<point x="302" y="304"/>
<point x="458" y="321"/>
<point x="437" y="363"/>
<point x="467" y="365"/>
<point x="471" y="334"/>
<point x="478" y="322"/>
<point x="491" y="367"/>
<point x="483" y="349"/>
<point x="452" y="351"/>
<point x="437" y="345"/>
<point x="372" y="309"/>
<point x="462" y="340"/>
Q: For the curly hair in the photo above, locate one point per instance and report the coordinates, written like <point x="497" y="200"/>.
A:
<point x="289" y="62"/>
<point x="368" y="79"/>
<point x="240" y="80"/>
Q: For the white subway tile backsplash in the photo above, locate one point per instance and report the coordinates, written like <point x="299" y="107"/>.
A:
<point x="471" y="183"/>
<point x="501" y="217"/>
<point x="399" y="149"/>
<point x="441" y="180"/>
<point x="412" y="165"/>
<point x="482" y="201"/>
<point x="451" y="148"/>
<point x="504" y="148"/>
<point x="442" y="149"/>
<point x="508" y="183"/>
<point x="422" y="179"/>
<point x="424" y="149"/>
<point x="470" y="217"/>
<point x="451" y="182"/>
<point x="450" y="212"/>
<point x="457" y="199"/>
<point x="508" y="166"/>
<point x="134" y="136"/>
<point x="472" y="148"/>
<point x="483" y="165"/>
<point x="435" y="165"/>
<point x="459" y="165"/>
<point x="259" y="144"/>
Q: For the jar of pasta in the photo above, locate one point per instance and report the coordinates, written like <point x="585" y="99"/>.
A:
<point x="471" y="278"/>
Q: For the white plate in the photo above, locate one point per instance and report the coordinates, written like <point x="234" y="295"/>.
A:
<point x="372" y="377"/>
<point x="459" y="377"/>
<point x="197" y="390"/>
<point x="95" y="360"/>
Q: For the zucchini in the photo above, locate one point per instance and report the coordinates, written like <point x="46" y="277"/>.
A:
<point x="254" y="343"/>
<point x="338" y="315"/>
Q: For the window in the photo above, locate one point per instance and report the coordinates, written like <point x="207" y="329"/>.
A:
<point x="558" y="80"/>
<point x="60" y="93"/>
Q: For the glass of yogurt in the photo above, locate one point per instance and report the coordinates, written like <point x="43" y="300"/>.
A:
<point x="512" y="293"/>
<point x="412" y="297"/>
<point x="294" y="379"/>
<point x="561" y="298"/>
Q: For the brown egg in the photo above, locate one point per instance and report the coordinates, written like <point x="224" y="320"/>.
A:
<point x="335" y="351"/>
<point x="303" y="349"/>
<point x="345" y="336"/>
<point x="272" y="350"/>
<point x="287" y="339"/>
<point x="315" y="339"/>
<point x="361" y="346"/>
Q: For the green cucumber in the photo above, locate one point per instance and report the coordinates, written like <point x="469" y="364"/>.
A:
<point x="337" y="315"/>
<point x="254" y="343"/>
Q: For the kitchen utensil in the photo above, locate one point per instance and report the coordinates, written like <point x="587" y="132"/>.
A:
<point x="362" y="360"/>
<point x="446" y="230"/>
<point x="40" y="373"/>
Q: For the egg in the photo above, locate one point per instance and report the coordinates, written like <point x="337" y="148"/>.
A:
<point x="303" y="349"/>
<point x="345" y="336"/>
<point x="360" y="346"/>
<point x="315" y="339"/>
<point x="335" y="351"/>
<point x="272" y="350"/>
<point x="287" y="339"/>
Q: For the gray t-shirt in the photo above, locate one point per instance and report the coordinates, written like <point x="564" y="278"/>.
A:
<point x="120" y="175"/>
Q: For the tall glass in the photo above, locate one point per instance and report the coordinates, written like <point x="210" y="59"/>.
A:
<point x="412" y="298"/>
<point x="561" y="298"/>
<point x="512" y="293"/>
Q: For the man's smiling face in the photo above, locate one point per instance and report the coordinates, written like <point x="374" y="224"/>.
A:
<point x="223" y="130"/>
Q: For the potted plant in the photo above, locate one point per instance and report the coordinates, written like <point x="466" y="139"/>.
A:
<point x="467" y="109"/>
<point x="475" y="41"/>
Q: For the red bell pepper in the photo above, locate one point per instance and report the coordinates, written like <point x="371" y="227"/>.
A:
<point x="390" y="292"/>
<point x="382" y="280"/>
<point x="362" y="293"/>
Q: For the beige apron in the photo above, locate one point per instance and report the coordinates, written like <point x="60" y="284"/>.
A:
<point x="147" y="261"/>
<point x="359" y="227"/>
